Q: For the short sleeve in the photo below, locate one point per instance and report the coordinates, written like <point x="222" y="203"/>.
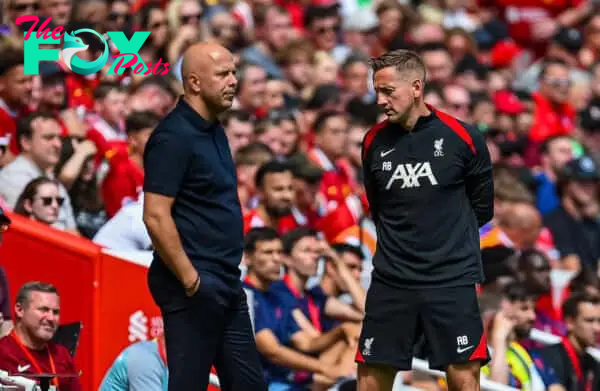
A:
<point x="264" y="317"/>
<point x="166" y="159"/>
<point x="319" y="297"/>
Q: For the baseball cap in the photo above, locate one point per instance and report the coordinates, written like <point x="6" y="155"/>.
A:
<point x="4" y="220"/>
<point x="503" y="54"/>
<point x="49" y="69"/>
<point x="361" y="21"/>
<point x="570" y="39"/>
<point x="590" y="117"/>
<point x="506" y="102"/>
<point x="582" y="169"/>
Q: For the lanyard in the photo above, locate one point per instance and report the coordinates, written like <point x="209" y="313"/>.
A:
<point x="574" y="358"/>
<point x="32" y="359"/>
<point x="313" y="310"/>
<point x="249" y="282"/>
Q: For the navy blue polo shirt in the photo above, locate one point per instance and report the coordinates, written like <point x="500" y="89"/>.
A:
<point x="188" y="158"/>
<point x="276" y="316"/>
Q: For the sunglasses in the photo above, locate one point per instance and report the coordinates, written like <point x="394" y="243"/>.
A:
<point x="20" y="7"/>
<point x="47" y="201"/>
<point x="158" y="25"/>
<point x="558" y="82"/>
<point x="113" y="16"/>
<point x="327" y="29"/>
<point x="186" y="19"/>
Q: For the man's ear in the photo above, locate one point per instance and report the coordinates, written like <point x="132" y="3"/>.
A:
<point x="418" y="85"/>
<point x="24" y="143"/>
<point x="19" y="310"/>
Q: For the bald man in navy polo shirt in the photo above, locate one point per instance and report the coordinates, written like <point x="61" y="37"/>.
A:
<point x="193" y="215"/>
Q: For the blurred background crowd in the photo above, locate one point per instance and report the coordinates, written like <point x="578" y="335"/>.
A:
<point x="526" y="73"/>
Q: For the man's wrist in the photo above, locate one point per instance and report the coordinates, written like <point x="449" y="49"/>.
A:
<point x="191" y="289"/>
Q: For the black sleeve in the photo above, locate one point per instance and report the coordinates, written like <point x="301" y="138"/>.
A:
<point x="166" y="158"/>
<point x="551" y="357"/>
<point x="479" y="182"/>
<point x="370" y="188"/>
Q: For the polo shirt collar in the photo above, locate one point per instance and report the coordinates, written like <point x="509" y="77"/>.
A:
<point x="194" y="118"/>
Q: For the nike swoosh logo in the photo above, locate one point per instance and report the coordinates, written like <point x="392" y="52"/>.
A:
<point x="462" y="350"/>
<point x="23" y="368"/>
<point x="384" y="154"/>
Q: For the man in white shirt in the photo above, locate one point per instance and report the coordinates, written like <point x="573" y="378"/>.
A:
<point x="125" y="231"/>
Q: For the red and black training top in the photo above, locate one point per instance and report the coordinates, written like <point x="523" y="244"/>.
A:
<point x="429" y="190"/>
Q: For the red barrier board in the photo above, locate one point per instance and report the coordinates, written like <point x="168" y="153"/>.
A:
<point x="107" y="294"/>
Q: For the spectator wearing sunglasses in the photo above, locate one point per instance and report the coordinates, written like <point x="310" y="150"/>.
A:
<point x="40" y="201"/>
<point x="39" y="136"/>
<point x="15" y="9"/>
<point x="119" y="17"/>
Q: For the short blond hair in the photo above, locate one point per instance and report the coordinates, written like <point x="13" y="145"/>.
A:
<point x="401" y="59"/>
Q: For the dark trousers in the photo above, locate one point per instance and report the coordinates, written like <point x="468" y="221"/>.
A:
<point x="210" y="332"/>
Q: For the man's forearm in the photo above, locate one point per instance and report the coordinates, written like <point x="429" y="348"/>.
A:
<point x="167" y="243"/>
<point x="324" y="341"/>
<point x="498" y="365"/>
<point x="290" y="358"/>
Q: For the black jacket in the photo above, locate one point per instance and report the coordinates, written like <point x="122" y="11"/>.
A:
<point x="429" y="191"/>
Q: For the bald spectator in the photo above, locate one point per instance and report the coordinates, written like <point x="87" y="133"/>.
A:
<point x="518" y="226"/>
<point x="522" y="225"/>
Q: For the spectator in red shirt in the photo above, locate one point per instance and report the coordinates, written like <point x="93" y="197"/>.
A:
<point x="28" y="349"/>
<point x="110" y="110"/>
<point x="125" y="179"/>
<point x="15" y="94"/>
<point x="553" y="115"/>
<point x="276" y="199"/>
<point x="331" y="138"/>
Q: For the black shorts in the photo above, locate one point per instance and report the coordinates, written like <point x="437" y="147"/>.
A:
<point x="396" y="319"/>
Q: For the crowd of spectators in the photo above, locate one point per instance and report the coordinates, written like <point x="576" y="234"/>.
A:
<point x="526" y="73"/>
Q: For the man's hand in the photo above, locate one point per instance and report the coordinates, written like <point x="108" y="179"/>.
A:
<point x="333" y="372"/>
<point x="326" y="251"/>
<point x="351" y="333"/>
<point x="502" y="327"/>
